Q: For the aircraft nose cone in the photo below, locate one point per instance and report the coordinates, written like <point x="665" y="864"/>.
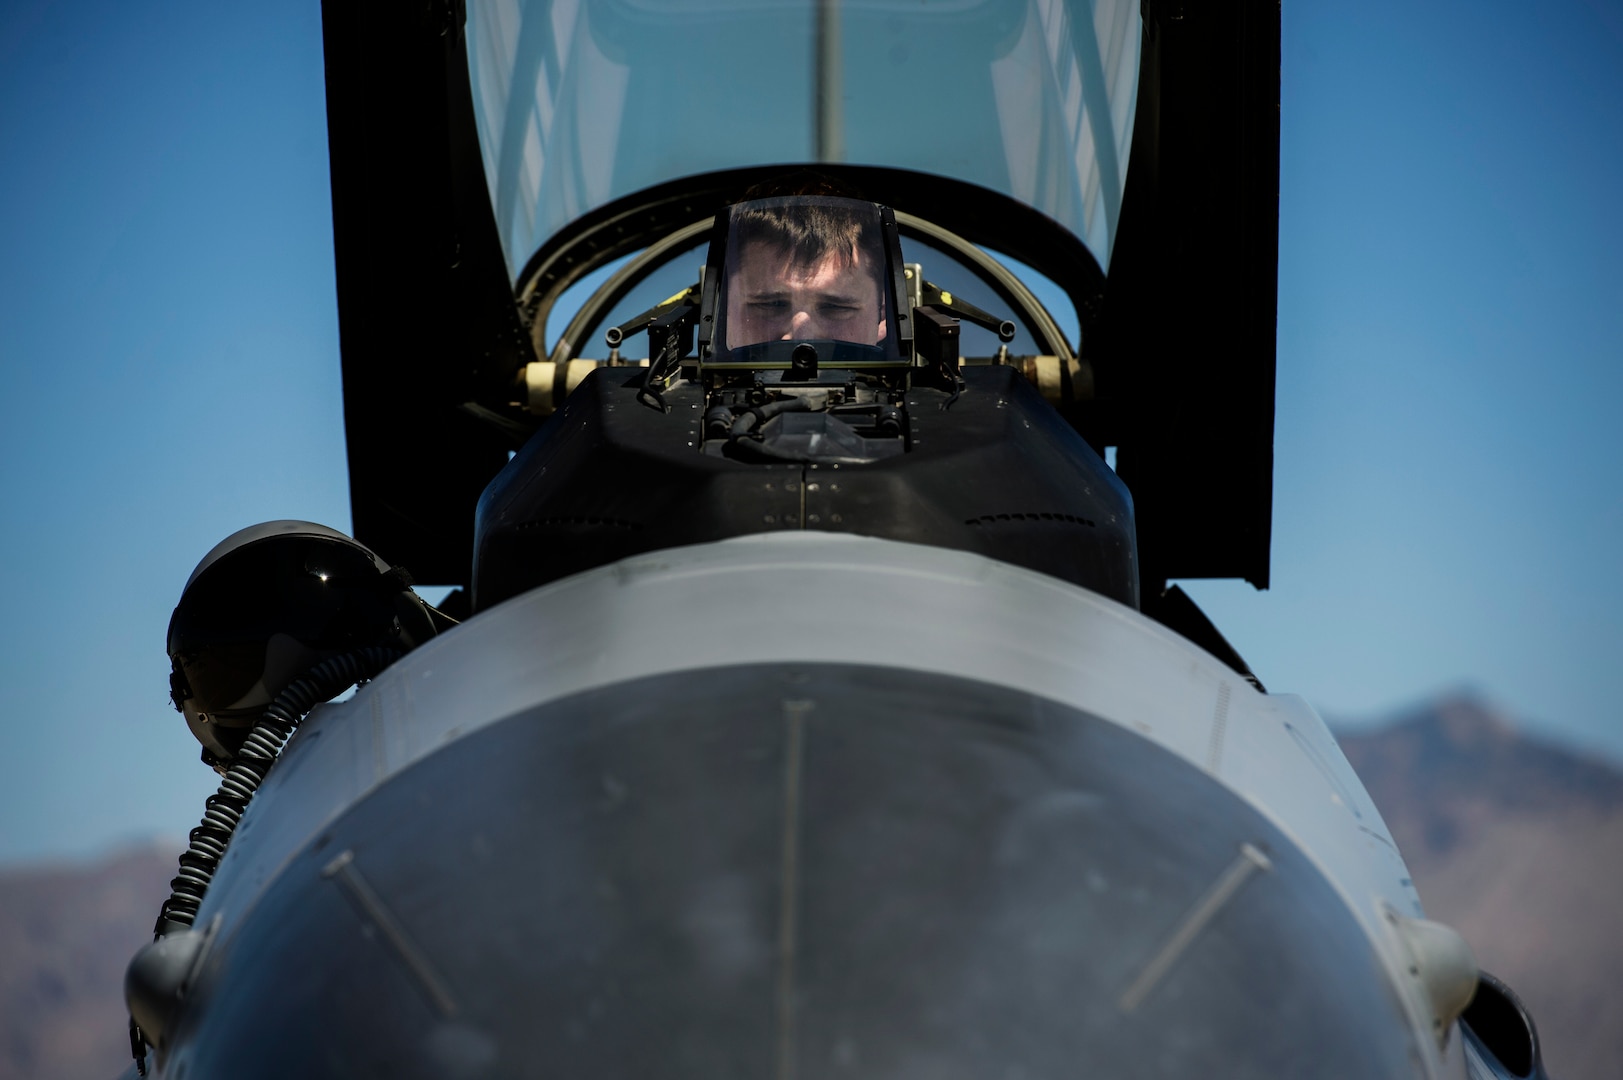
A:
<point x="817" y="871"/>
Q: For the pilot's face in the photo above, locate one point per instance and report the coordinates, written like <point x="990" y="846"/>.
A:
<point x="772" y="297"/>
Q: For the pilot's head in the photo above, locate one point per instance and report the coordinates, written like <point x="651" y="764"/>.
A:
<point x="805" y="268"/>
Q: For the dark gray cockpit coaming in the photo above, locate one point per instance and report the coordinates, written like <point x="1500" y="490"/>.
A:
<point x="796" y="871"/>
<point x="999" y="474"/>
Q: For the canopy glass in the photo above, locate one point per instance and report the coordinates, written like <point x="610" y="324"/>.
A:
<point x="580" y="103"/>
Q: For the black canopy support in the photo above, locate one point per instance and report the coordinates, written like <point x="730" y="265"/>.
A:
<point x="426" y="316"/>
<point x="1185" y="351"/>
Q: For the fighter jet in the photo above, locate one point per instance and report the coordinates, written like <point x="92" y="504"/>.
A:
<point x="811" y="403"/>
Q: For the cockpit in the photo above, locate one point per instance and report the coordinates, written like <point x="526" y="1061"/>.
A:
<point x="807" y="304"/>
<point x="811" y="377"/>
<point x="565" y="310"/>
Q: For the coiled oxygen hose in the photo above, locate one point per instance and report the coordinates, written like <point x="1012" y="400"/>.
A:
<point x="224" y="809"/>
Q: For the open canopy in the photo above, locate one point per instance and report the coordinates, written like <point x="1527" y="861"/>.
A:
<point x="578" y="104"/>
<point x="486" y="154"/>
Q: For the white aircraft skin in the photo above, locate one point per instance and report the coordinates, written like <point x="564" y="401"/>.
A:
<point x="926" y="609"/>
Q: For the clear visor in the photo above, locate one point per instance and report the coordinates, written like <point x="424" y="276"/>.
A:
<point x="804" y="268"/>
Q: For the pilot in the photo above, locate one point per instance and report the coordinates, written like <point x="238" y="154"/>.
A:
<point x="804" y="268"/>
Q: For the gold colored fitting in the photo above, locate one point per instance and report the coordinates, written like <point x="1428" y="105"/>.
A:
<point x="1060" y="382"/>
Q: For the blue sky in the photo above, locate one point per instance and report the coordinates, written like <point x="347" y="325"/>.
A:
<point x="1448" y="450"/>
<point x="1449" y="462"/>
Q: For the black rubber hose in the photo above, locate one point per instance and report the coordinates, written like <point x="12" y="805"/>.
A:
<point x="757" y="416"/>
<point x="224" y="808"/>
<point x="718" y="421"/>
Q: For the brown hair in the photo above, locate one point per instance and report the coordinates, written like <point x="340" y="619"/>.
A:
<point x="809" y="232"/>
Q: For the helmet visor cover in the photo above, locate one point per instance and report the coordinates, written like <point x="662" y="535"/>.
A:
<point x="804" y="268"/>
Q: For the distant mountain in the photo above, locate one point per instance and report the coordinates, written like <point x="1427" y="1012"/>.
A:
<point x="66" y="933"/>
<point x="1518" y="844"/>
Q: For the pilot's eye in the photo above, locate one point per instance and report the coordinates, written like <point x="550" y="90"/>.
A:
<point x="838" y="310"/>
<point x="768" y="304"/>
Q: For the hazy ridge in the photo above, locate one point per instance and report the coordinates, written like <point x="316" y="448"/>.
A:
<point x="1515" y="841"/>
<point x="66" y="933"/>
<point x="1518" y="843"/>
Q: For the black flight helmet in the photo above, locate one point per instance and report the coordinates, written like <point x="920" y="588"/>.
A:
<point x="266" y="605"/>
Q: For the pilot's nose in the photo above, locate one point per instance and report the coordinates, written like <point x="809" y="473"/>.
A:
<point x="798" y="322"/>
